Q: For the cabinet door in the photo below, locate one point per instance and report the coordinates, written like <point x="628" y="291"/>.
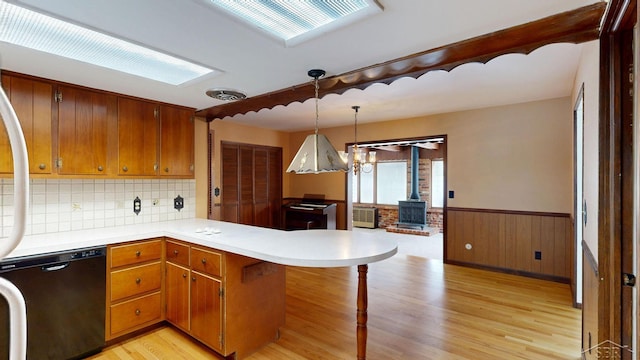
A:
<point x="6" y="160"/>
<point x="31" y="101"/>
<point x="177" y="295"/>
<point x="206" y="310"/>
<point x="137" y="137"/>
<point x="176" y="141"/>
<point x="84" y="119"/>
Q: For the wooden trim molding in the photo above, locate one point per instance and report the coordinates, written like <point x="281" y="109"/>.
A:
<point x="512" y="212"/>
<point x="576" y="26"/>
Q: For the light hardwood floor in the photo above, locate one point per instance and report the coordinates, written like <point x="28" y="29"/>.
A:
<point x="418" y="309"/>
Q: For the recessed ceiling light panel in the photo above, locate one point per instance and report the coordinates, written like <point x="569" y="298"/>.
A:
<point x="296" y="21"/>
<point x="30" y="29"/>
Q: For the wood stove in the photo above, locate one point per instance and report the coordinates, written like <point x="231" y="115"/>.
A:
<point x="412" y="213"/>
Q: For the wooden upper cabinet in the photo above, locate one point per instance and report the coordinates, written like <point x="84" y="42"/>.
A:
<point x="86" y="122"/>
<point x="31" y="100"/>
<point x="137" y="137"/>
<point x="176" y="141"/>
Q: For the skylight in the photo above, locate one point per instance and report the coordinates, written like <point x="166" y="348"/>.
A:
<point x="297" y="20"/>
<point x="33" y="30"/>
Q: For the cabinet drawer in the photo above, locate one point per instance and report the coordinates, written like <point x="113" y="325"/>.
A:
<point x="177" y="253"/>
<point x="135" y="280"/>
<point x="206" y="261"/>
<point x="136" y="253"/>
<point x="130" y="314"/>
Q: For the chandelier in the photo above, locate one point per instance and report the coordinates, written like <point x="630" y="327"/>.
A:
<point x="363" y="159"/>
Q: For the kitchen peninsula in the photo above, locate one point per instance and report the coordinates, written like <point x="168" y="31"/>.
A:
<point x="312" y="248"/>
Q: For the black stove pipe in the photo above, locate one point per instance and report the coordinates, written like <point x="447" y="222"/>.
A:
<point x="415" y="159"/>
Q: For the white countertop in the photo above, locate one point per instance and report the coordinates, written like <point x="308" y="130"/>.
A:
<point x="309" y="248"/>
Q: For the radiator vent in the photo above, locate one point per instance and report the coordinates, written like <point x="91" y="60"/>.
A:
<point x="365" y="217"/>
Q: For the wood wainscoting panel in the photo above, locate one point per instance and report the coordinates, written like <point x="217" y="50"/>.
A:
<point x="510" y="241"/>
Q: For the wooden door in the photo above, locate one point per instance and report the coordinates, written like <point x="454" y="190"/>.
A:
<point x="84" y="120"/>
<point x="206" y="310"/>
<point x="251" y="184"/>
<point x="246" y="169"/>
<point x="176" y="141"/>
<point x="230" y="183"/>
<point x="261" y="215"/>
<point x="177" y="295"/>
<point x="275" y="188"/>
<point x="137" y="137"/>
<point x="31" y="101"/>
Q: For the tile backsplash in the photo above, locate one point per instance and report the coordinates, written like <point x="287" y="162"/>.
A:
<point x="63" y="205"/>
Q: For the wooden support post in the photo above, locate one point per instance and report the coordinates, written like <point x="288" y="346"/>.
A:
<point x="362" y="312"/>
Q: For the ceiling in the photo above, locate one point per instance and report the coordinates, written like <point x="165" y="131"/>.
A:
<point x="256" y="64"/>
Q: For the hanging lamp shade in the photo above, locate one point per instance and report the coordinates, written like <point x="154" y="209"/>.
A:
<point x="316" y="154"/>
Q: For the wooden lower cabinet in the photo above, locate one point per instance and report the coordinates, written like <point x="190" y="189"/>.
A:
<point x="206" y="310"/>
<point x="134" y="287"/>
<point x="177" y="280"/>
<point x="231" y="303"/>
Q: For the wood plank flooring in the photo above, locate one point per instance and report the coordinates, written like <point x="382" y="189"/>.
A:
<point x="418" y="309"/>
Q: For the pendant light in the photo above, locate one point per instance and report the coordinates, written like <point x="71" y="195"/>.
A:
<point x="316" y="154"/>
<point x="363" y="160"/>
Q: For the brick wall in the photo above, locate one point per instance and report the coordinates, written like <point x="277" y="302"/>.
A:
<point x="388" y="216"/>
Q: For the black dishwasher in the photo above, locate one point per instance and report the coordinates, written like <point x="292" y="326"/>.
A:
<point x="65" y="298"/>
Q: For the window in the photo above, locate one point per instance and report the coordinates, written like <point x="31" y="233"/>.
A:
<point x="391" y="182"/>
<point x="437" y="183"/>
<point x="386" y="184"/>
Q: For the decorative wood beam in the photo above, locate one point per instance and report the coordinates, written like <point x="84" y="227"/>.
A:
<point x="576" y="26"/>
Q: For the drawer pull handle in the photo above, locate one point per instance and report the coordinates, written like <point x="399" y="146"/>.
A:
<point x="166" y="169"/>
<point x="184" y="275"/>
<point x="138" y="253"/>
<point x="175" y="252"/>
<point x="42" y="166"/>
<point x="204" y="260"/>
<point x="125" y="168"/>
<point x="138" y="280"/>
<point x="193" y="278"/>
<point x="138" y="312"/>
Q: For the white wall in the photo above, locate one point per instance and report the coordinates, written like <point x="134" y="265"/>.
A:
<point x="588" y="74"/>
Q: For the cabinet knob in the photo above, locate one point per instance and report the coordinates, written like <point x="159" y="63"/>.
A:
<point x="166" y="169"/>
<point x="193" y="278"/>
<point x="204" y="260"/>
<point x="138" y="311"/>
<point x="100" y="168"/>
<point x="125" y="169"/>
<point x="184" y="275"/>
<point x="138" y="253"/>
<point x="42" y="166"/>
<point x="175" y="252"/>
<point x="138" y="280"/>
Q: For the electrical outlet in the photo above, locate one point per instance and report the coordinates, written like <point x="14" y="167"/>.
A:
<point x="538" y="255"/>
<point x="137" y="205"/>
<point x="178" y="203"/>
